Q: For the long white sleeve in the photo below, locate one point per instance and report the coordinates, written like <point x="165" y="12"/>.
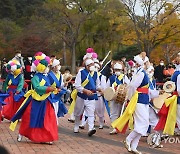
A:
<point x="126" y="80"/>
<point x="62" y="81"/>
<point x="98" y="83"/>
<point x="103" y="82"/>
<point x="108" y="83"/>
<point x="134" y="84"/>
<point x="178" y="84"/>
<point x="77" y="83"/>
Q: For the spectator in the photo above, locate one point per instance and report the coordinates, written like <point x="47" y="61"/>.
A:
<point x="67" y="76"/>
<point x="28" y="73"/>
<point x="158" y="72"/>
<point x="168" y="72"/>
<point x="3" y="69"/>
<point x="19" y="58"/>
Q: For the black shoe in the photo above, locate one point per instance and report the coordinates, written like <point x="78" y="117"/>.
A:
<point x="91" y="132"/>
<point x="81" y="127"/>
<point x="2" y="118"/>
<point x="70" y="120"/>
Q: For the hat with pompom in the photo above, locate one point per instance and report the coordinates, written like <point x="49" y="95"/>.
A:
<point x="14" y="67"/>
<point x="40" y="62"/>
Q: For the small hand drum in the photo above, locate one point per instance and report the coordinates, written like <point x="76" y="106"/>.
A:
<point x="121" y="93"/>
<point x="159" y="101"/>
<point x="109" y="94"/>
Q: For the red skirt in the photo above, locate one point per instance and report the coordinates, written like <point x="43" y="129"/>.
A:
<point x="48" y="133"/>
<point x="11" y="106"/>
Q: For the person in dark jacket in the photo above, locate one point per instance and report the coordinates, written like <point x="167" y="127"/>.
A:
<point x="158" y="72"/>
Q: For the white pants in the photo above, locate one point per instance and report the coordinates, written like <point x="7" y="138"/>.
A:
<point x="100" y="108"/>
<point x="153" y="118"/>
<point x="84" y="105"/>
<point x="84" y="120"/>
<point x="115" y="110"/>
<point x="72" y="116"/>
<point x="141" y="124"/>
<point x="56" y="107"/>
<point x="141" y="118"/>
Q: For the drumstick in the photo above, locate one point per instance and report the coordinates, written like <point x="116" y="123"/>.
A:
<point x="123" y="106"/>
<point x="105" y="57"/>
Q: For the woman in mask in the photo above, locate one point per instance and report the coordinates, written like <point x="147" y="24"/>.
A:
<point x="38" y="115"/>
<point x="116" y="79"/>
<point x="87" y="84"/>
<point x="56" y="80"/>
<point x="13" y="85"/>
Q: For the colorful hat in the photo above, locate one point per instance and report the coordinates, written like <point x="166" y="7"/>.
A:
<point x="14" y="67"/>
<point x="131" y="63"/>
<point x="40" y="62"/>
<point x="89" y="50"/>
<point x="94" y="55"/>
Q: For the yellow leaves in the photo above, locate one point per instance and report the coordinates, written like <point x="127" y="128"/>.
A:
<point x="129" y="38"/>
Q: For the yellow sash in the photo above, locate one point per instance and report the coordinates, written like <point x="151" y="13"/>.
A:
<point x="35" y="96"/>
<point x="127" y="116"/>
<point x="171" y="118"/>
<point x="74" y="95"/>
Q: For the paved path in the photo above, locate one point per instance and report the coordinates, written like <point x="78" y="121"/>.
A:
<point x="100" y="143"/>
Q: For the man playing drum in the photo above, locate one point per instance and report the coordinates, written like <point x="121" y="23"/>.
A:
<point x="116" y="79"/>
<point x="87" y="84"/>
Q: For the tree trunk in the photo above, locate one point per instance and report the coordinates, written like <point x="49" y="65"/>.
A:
<point x="64" y="53"/>
<point x="73" y="64"/>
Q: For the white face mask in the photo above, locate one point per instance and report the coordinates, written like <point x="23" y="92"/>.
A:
<point x="19" y="55"/>
<point x="150" y="75"/>
<point x="161" y="63"/>
<point x="118" y="73"/>
<point x="92" y="68"/>
<point x="29" y="58"/>
<point x="46" y="70"/>
<point x="59" y="68"/>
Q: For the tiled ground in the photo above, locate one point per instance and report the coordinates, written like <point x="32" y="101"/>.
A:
<point x="69" y="142"/>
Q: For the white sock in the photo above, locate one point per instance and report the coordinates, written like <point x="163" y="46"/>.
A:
<point x="131" y="136"/>
<point x="135" y="142"/>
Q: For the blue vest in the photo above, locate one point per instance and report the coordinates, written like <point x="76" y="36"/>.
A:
<point x="174" y="79"/>
<point x="114" y="78"/>
<point x="15" y="81"/>
<point x="53" y="79"/>
<point x="42" y="76"/>
<point x="144" y="98"/>
<point x="90" y="86"/>
<point x="152" y="84"/>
